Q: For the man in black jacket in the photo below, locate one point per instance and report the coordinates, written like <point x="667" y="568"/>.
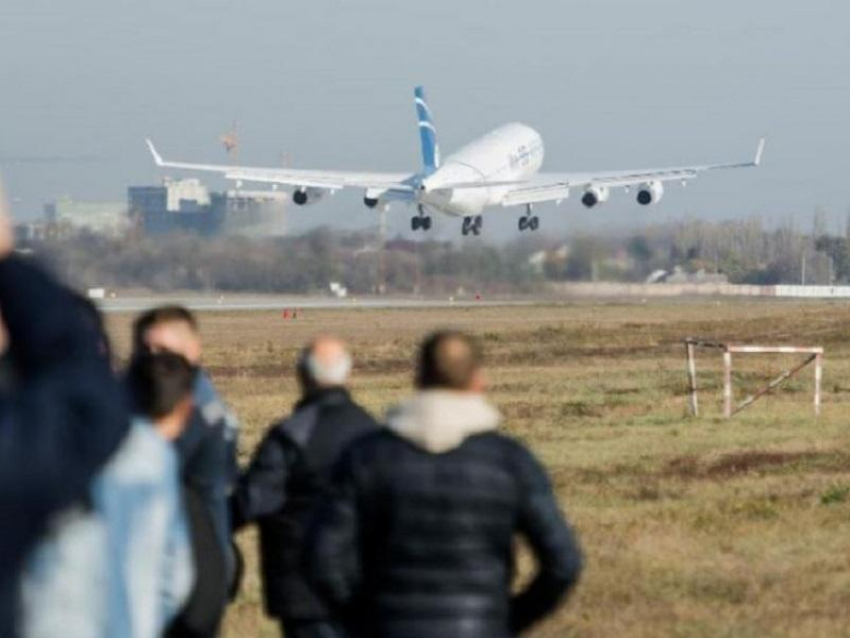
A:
<point x="288" y="473"/>
<point x="62" y="414"/>
<point x="417" y="537"/>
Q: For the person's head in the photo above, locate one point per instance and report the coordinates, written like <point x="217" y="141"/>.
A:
<point x="168" y="329"/>
<point x="324" y="363"/>
<point x="161" y="386"/>
<point x="450" y="360"/>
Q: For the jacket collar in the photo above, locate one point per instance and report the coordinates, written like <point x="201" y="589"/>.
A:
<point x="324" y="396"/>
<point x="439" y="421"/>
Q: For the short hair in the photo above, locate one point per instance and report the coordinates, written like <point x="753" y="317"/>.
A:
<point x="157" y="316"/>
<point x="159" y="382"/>
<point x="448" y="360"/>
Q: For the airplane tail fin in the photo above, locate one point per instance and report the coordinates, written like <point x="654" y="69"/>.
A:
<point x="427" y="132"/>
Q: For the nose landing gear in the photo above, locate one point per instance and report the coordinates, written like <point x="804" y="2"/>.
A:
<point x="472" y="224"/>
<point x="529" y="221"/>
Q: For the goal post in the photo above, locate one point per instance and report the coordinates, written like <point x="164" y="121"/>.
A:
<point x="815" y="354"/>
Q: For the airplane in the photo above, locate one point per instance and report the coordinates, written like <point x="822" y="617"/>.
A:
<point x="499" y="169"/>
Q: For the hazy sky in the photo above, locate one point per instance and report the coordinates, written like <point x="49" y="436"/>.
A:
<point x="608" y="83"/>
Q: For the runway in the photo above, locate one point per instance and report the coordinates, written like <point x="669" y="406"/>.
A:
<point x="273" y="303"/>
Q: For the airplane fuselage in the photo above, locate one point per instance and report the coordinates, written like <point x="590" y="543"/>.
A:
<point x="513" y="152"/>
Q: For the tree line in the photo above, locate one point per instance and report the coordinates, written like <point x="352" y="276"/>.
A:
<point x="744" y="251"/>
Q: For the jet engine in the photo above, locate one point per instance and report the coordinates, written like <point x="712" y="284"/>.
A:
<point x="595" y="195"/>
<point x="650" y="193"/>
<point x="305" y="196"/>
<point x="375" y="197"/>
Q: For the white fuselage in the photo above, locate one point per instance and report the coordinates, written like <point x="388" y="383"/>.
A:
<point x="513" y="152"/>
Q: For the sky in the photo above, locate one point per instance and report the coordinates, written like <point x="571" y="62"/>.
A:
<point x="609" y="84"/>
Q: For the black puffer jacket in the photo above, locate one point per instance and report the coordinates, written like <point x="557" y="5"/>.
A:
<point x="290" y="470"/>
<point x="417" y="537"/>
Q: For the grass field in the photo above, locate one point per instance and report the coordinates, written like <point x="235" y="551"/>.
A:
<point x="691" y="527"/>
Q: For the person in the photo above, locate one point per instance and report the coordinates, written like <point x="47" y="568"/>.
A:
<point x="207" y="448"/>
<point x="201" y="616"/>
<point x="62" y="415"/>
<point x="416" y="537"/>
<point x="121" y="565"/>
<point x="289" y="471"/>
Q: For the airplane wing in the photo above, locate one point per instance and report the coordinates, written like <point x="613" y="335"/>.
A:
<point x="327" y="180"/>
<point x="555" y="186"/>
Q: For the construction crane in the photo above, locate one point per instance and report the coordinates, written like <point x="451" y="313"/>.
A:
<point x="230" y="140"/>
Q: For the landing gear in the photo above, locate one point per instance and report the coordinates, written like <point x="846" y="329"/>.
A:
<point x="421" y="221"/>
<point x="472" y="224"/>
<point x="529" y="221"/>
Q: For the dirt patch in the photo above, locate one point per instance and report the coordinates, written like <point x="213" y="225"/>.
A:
<point x="756" y="461"/>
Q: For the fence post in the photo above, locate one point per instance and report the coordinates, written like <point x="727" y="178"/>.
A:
<point x="692" y="378"/>
<point x="818" y="377"/>
<point x="727" y="384"/>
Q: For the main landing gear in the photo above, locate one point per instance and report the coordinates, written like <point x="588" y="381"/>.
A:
<point x="472" y="224"/>
<point x="529" y="221"/>
<point x="421" y="221"/>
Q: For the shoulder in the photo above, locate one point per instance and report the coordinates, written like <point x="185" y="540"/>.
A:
<point x="144" y="456"/>
<point x="359" y="415"/>
<point x="296" y="428"/>
<point x="146" y="448"/>
<point x="528" y="468"/>
<point x="373" y="446"/>
<point x="509" y="453"/>
<point x="375" y="441"/>
<point x="210" y="405"/>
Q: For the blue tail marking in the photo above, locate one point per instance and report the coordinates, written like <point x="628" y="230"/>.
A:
<point x="427" y="132"/>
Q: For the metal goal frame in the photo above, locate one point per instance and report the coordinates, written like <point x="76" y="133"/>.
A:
<point x="815" y="354"/>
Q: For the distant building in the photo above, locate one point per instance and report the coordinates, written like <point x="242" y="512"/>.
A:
<point x="188" y="206"/>
<point x="681" y="276"/>
<point x="104" y="218"/>
<point x="251" y="213"/>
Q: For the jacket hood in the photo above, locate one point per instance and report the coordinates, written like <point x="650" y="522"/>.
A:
<point x="439" y="421"/>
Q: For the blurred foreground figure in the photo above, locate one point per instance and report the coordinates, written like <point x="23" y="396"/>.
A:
<point x="122" y="565"/>
<point x="417" y="538"/>
<point x="157" y="557"/>
<point x="62" y="414"/>
<point x="207" y="448"/>
<point x="290" y="470"/>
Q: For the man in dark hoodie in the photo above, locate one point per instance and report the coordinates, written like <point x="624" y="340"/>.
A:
<point x="62" y="414"/>
<point x="289" y="473"/>
<point x="417" y="537"/>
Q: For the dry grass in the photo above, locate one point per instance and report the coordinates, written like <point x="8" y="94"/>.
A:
<point x="691" y="527"/>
